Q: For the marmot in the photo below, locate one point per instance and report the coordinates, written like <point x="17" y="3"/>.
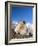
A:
<point x="21" y="28"/>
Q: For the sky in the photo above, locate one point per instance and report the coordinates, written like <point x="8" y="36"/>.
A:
<point x="21" y="13"/>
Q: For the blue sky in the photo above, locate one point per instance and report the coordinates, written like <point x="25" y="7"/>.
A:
<point x="21" y="13"/>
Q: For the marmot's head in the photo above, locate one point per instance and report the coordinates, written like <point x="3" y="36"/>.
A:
<point x="24" y="22"/>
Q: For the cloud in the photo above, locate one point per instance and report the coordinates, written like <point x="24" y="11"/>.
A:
<point x="14" y="22"/>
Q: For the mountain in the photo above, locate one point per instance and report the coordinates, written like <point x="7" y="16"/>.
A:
<point x="13" y="24"/>
<point x="29" y="27"/>
<point x="28" y="24"/>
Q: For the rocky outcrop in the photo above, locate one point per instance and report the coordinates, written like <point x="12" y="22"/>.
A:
<point x="22" y="30"/>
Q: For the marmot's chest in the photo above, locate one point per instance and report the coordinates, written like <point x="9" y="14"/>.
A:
<point x="21" y="28"/>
